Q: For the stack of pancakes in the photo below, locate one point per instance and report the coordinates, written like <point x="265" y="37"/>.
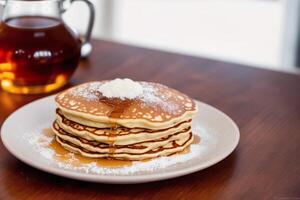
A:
<point x="156" y="123"/>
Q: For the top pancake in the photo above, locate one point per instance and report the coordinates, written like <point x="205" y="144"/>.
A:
<point x="157" y="107"/>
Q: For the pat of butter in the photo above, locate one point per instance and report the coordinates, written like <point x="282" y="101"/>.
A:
<point x="121" y="88"/>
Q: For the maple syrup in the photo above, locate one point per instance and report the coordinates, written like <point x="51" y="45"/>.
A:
<point x="37" y="54"/>
<point x="196" y="139"/>
<point x="118" y="107"/>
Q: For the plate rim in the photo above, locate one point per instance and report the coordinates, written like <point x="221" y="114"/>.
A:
<point x="119" y="179"/>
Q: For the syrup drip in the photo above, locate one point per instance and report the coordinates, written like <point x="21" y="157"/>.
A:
<point x="197" y="139"/>
<point x="184" y="151"/>
<point x="65" y="156"/>
<point x="111" y="140"/>
<point x="118" y="106"/>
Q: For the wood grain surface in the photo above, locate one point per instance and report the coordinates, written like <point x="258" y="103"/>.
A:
<point x="264" y="104"/>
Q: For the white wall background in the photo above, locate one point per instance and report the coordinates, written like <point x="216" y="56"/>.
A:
<point x="240" y="31"/>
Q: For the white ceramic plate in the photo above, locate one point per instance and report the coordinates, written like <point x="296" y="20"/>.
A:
<point x="219" y="137"/>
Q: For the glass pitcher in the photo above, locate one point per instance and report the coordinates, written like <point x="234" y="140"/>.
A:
<point x="38" y="52"/>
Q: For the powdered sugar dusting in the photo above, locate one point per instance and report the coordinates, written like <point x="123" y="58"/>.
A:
<point x="144" y="91"/>
<point x="40" y="143"/>
<point x="151" y="97"/>
<point x="90" y="92"/>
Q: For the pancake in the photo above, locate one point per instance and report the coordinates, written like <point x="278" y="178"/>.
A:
<point x="153" y="122"/>
<point x="122" y="156"/>
<point x="139" y="151"/>
<point x="123" y="135"/>
<point x="157" y="107"/>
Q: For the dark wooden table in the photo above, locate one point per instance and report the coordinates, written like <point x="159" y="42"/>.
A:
<point x="264" y="104"/>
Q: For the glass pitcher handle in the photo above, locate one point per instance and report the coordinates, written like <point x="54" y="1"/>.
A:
<point x="86" y="46"/>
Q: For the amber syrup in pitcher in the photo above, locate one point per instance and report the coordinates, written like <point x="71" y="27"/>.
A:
<point x="37" y="54"/>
